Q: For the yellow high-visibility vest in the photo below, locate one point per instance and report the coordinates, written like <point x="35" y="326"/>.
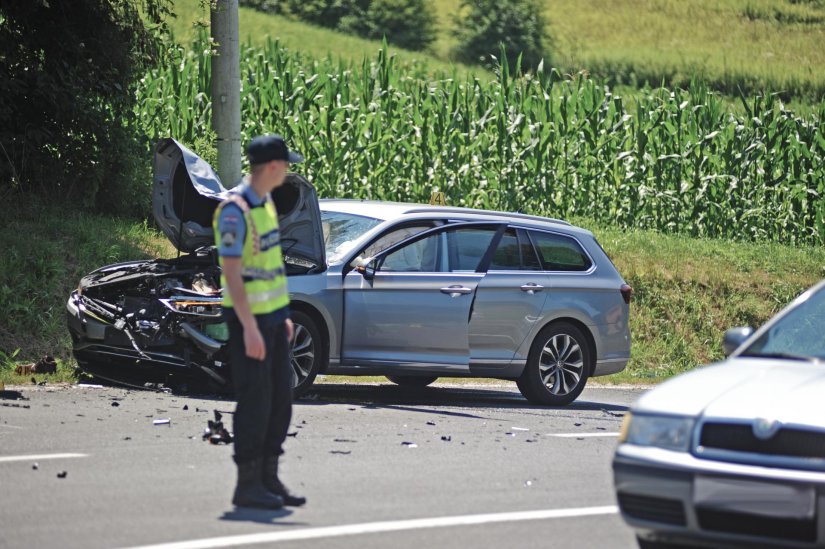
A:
<point x="264" y="276"/>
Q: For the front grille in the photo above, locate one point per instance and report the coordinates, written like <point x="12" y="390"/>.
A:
<point x="738" y="437"/>
<point x="753" y="525"/>
<point x="668" y="511"/>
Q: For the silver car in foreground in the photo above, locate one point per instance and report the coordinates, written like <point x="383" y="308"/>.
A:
<point x="733" y="454"/>
<point x="408" y="291"/>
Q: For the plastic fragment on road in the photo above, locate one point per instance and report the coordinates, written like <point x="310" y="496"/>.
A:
<point x="409" y="444"/>
<point x="162" y="421"/>
<point x="215" y="432"/>
<point x="62" y="474"/>
<point x="447" y="438"/>
<point x="35" y="466"/>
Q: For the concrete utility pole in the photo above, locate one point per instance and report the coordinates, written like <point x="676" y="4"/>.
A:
<point x="226" y="90"/>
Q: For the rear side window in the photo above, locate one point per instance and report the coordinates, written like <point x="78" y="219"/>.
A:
<point x="515" y="252"/>
<point x="559" y="253"/>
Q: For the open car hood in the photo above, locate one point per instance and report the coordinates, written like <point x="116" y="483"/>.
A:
<point x="187" y="190"/>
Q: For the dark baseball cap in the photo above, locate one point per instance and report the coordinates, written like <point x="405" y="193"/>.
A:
<point x="270" y="147"/>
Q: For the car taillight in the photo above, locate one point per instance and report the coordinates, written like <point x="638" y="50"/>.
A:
<point x="627" y="292"/>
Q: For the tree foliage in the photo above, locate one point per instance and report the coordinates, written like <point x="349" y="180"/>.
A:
<point x="484" y="25"/>
<point x="67" y="71"/>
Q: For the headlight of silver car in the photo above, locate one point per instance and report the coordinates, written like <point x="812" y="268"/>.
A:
<point x="668" y="432"/>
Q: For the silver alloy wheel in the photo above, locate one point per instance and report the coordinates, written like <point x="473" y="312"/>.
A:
<point x="302" y="353"/>
<point x="561" y="364"/>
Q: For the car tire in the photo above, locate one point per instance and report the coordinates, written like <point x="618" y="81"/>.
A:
<point x="307" y="352"/>
<point x="557" y="367"/>
<point x="412" y="381"/>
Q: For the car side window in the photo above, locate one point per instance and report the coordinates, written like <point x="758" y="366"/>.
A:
<point x="514" y="252"/>
<point x="421" y="256"/>
<point x="450" y="250"/>
<point x="559" y="253"/>
<point x="390" y="238"/>
<point x="467" y="246"/>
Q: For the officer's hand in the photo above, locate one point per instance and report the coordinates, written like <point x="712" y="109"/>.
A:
<point x="290" y="329"/>
<point x="254" y="343"/>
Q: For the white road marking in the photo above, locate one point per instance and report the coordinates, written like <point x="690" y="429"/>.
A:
<point x="40" y="457"/>
<point x="582" y="435"/>
<point x="11" y="426"/>
<point x="378" y="527"/>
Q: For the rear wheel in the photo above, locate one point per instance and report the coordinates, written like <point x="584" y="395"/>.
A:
<point x="557" y="367"/>
<point x="306" y="352"/>
<point x="412" y="381"/>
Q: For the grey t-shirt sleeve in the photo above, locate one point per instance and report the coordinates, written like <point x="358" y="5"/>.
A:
<point x="231" y="231"/>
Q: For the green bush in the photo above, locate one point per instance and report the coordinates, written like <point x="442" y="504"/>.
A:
<point x="409" y="24"/>
<point x="326" y="13"/>
<point x="486" y="24"/>
<point x="406" y="23"/>
<point x="267" y="6"/>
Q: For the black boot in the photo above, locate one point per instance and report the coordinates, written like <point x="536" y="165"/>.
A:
<point x="274" y="484"/>
<point x="251" y="492"/>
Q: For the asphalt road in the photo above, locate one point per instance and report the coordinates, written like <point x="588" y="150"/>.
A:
<point x="441" y="467"/>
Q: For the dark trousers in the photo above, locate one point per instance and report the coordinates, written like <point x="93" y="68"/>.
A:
<point x="263" y="390"/>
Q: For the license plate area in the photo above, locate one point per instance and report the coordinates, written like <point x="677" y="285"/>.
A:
<point x="753" y="497"/>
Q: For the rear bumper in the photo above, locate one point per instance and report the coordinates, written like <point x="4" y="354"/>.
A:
<point x="609" y="366"/>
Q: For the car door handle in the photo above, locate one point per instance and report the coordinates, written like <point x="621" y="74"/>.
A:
<point x="531" y="288"/>
<point x="456" y="291"/>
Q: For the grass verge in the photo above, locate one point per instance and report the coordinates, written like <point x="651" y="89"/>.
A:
<point x="47" y="250"/>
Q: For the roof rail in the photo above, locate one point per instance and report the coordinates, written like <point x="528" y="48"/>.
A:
<point x="488" y="212"/>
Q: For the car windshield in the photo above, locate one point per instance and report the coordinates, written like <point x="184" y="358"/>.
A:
<point x="797" y="335"/>
<point x="341" y="230"/>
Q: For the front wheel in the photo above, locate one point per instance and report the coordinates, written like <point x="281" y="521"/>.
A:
<point x="306" y="352"/>
<point x="412" y="381"/>
<point x="557" y="367"/>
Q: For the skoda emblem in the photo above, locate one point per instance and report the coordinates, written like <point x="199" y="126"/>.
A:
<point x="764" y="428"/>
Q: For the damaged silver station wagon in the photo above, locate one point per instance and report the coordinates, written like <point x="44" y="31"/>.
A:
<point x="407" y="291"/>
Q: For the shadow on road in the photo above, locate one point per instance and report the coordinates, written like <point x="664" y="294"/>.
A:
<point x="393" y="396"/>
<point x="262" y="516"/>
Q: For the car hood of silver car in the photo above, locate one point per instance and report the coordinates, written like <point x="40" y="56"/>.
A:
<point x="787" y="391"/>
<point x="186" y="191"/>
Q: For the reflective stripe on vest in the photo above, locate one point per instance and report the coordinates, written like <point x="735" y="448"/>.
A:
<point x="267" y="296"/>
<point x="264" y="276"/>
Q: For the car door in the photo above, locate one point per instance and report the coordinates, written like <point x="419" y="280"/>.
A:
<point x="509" y="301"/>
<point x="412" y="310"/>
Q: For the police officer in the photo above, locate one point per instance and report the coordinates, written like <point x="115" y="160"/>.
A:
<point x="256" y="309"/>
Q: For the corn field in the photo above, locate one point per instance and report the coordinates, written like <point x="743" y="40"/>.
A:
<point x="677" y="161"/>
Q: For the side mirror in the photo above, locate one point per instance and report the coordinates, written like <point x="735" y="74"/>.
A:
<point x="734" y="338"/>
<point x="366" y="267"/>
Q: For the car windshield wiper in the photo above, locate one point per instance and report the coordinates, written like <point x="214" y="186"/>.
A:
<point x="787" y="356"/>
